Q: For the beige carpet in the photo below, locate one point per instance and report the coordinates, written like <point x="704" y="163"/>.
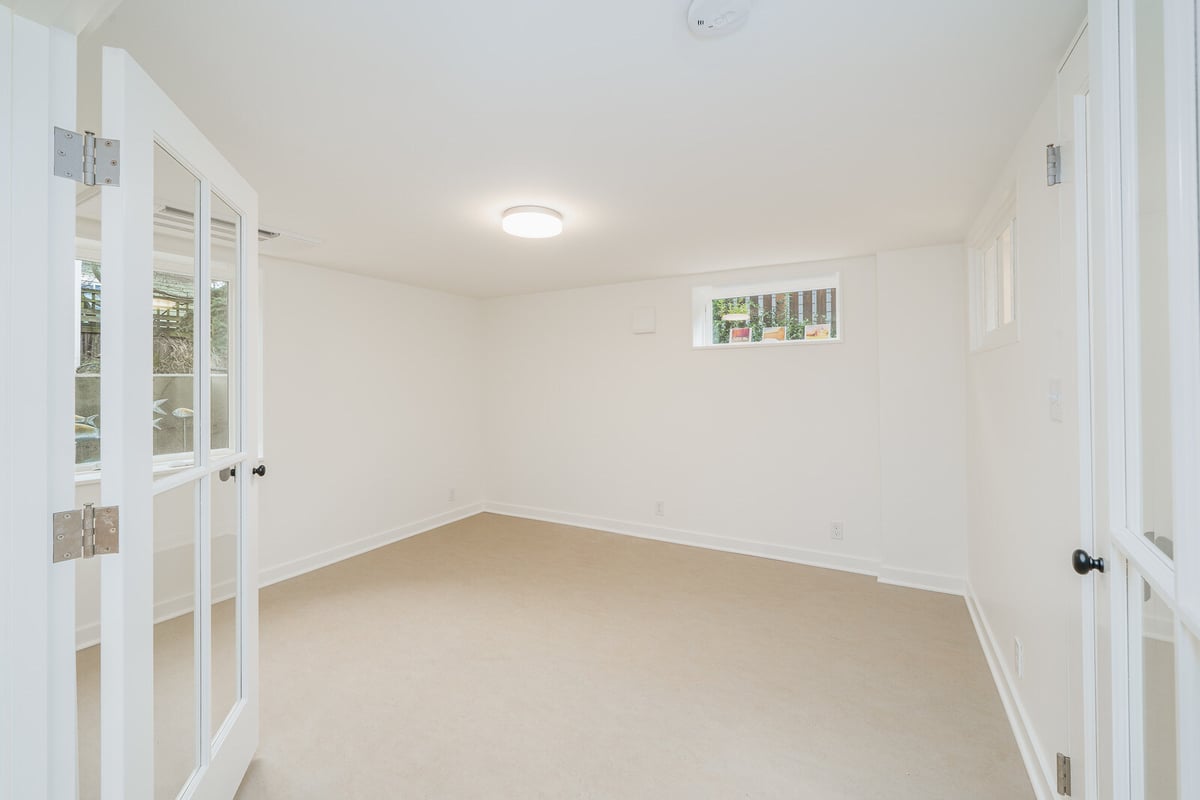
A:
<point x="502" y="658"/>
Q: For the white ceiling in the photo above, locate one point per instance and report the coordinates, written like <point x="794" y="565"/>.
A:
<point x="397" y="132"/>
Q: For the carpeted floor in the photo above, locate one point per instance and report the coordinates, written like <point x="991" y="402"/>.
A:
<point x="503" y="658"/>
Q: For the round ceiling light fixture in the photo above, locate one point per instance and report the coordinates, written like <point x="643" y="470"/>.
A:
<point x="532" y="222"/>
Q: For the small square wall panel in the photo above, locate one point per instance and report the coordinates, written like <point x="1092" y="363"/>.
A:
<point x="643" y="319"/>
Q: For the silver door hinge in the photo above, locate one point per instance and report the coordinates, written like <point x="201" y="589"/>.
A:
<point x="1064" y="775"/>
<point x="86" y="532"/>
<point x="1053" y="164"/>
<point x="84" y="158"/>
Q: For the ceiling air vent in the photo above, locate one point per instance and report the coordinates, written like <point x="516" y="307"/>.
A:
<point x="177" y="219"/>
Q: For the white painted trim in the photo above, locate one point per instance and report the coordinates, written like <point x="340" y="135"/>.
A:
<point x="984" y="236"/>
<point x="918" y="579"/>
<point x="780" y="552"/>
<point x="1041" y="773"/>
<point x="324" y="558"/>
<point x="769" y="345"/>
<point x="164" y="610"/>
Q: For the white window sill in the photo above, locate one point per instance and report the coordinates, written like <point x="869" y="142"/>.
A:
<point x="768" y="346"/>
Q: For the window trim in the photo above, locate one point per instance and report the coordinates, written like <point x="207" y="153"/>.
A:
<point x="703" y="297"/>
<point x="979" y="243"/>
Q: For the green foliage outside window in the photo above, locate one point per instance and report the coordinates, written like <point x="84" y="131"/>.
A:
<point x="786" y="310"/>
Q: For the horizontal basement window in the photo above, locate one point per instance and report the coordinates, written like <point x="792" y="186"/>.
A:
<point x="767" y="314"/>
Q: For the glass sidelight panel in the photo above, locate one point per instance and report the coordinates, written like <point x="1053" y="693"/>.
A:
<point x="226" y="594"/>
<point x="1153" y="354"/>
<point x="226" y="252"/>
<point x="173" y="305"/>
<point x="175" y="631"/>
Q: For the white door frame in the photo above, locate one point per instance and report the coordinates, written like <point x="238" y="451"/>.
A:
<point x="1074" y="86"/>
<point x="1119" y="697"/>
<point x="37" y="224"/>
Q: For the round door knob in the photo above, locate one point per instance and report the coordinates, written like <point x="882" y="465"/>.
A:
<point x="261" y="470"/>
<point x="1083" y="563"/>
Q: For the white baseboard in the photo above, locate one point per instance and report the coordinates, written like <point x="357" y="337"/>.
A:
<point x="779" y="552"/>
<point x="916" y="579"/>
<point x="1041" y="772"/>
<point x="323" y="558"/>
<point x="928" y="581"/>
<point x="88" y="635"/>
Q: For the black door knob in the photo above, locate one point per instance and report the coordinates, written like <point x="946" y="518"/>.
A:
<point x="261" y="470"/>
<point x="1084" y="563"/>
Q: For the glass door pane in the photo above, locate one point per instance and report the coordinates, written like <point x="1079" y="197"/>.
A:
<point x="1150" y="506"/>
<point x="226" y="594"/>
<point x="1152" y="657"/>
<point x="176" y="198"/>
<point x="226" y="262"/>
<point x="175" y="639"/>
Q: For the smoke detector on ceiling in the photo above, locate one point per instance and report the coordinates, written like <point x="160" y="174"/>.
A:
<point x="717" y="17"/>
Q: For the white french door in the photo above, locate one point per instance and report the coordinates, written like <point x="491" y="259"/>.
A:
<point x="1147" y="367"/>
<point x="178" y="700"/>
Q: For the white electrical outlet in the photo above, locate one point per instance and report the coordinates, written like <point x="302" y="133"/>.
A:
<point x="1018" y="657"/>
<point x="660" y="508"/>
<point x="453" y="494"/>
<point x="837" y="530"/>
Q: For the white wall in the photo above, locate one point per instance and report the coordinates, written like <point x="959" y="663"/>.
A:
<point x="372" y="411"/>
<point x="371" y="414"/>
<point x="922" y="415"/>
<point x="1023" y="470"/>
<point x="755" y="450"/>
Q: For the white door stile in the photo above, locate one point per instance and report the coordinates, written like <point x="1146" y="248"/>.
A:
<point x="26" y="389"/>
<point x="63" y="301"/>
<point x="1110" y="712"/>
<point x="1182" y="212"/>
<point x="1074" y="90"/>
<point x="126" y="589"/>
<point x="1134" y="678"/>
<point x="10" y="637"/>
<point x="37" y="679"/>
<point x="1183" y="226"/>
<point x="202" y="388"/>
<point x="1118" y="695"/>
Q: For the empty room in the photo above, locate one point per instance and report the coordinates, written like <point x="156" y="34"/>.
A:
<point x="673" y="400"/>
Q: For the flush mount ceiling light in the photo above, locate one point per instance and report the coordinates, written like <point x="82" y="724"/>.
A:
<point x="532" y="222"/>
